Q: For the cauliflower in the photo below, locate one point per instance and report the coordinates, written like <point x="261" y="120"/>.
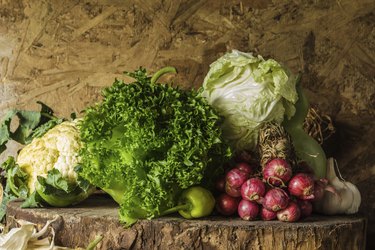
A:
<point x="45" y="169"/>
<point x="58" y="148"/>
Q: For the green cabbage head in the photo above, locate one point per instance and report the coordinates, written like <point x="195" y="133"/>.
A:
<point x="249" y="91"/>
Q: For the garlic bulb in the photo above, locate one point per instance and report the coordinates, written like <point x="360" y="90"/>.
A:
<point x="345" y="199"/>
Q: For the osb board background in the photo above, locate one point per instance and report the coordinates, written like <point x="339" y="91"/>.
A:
<point x="64" y="52"/>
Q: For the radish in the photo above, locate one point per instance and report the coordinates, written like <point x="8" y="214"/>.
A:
<point x="248" y="210"/>
<point x="253" y="189"/>
<point x="226" y="204"/>
<point x="267" y="214"/>
<point x="277" y="172"/>
<point x="302" y="186"/>
<point x="235" y="178"/>
<point x="275" y="199"/>
<point x="291" y="213"/>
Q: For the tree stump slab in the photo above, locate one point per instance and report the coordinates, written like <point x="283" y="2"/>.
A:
<point x="79" y="225"/>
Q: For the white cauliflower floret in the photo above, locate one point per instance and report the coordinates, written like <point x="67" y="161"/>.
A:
<point x="58" y="148"/>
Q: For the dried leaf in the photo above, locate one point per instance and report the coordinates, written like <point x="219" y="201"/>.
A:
<point x="28" y="237"/>
<point x="17" y="238"/>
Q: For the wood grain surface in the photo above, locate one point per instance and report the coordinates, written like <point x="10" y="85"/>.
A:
<point x="97" y="216"/>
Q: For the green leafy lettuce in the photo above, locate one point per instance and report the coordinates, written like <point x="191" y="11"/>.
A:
<point x="249" y="91"/>
<point x="145" y="142"/>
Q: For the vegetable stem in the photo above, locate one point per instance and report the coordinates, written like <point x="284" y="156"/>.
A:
<point x="48" y="115"/>
<point x="276" y="178"/>
<point x="175" y="209"/>
<point x="11" y="184"/>
<point x="161" y="72"/>
<point x="95" y="242"/>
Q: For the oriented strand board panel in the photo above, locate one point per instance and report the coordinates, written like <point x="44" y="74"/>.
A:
<point x="64" y="52"/>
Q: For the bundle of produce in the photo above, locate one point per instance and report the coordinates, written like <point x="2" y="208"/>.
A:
<point x="157" y="149"/>
<point x="44" y="170"/>
<point x="274" y="192"/>
<point x="149" y="145"/>
<point x="249" y="91"/>
<point x="265" y="108"/>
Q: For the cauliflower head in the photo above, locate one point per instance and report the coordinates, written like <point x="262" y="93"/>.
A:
<point x="45" y="169"/>
<point x="56" y="149"/>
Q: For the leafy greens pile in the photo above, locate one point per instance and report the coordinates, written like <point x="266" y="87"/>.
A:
<point x="145" y="142"/>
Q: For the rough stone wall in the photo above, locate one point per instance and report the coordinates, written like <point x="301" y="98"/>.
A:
<point x="64" y="52"/>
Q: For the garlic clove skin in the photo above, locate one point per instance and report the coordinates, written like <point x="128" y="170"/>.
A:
<point x="346" y="197"/>
<point x="328" y="204"/>
<point x="356" y="201"/>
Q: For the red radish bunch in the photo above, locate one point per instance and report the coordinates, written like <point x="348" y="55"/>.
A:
<point x="273" y="193"/>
